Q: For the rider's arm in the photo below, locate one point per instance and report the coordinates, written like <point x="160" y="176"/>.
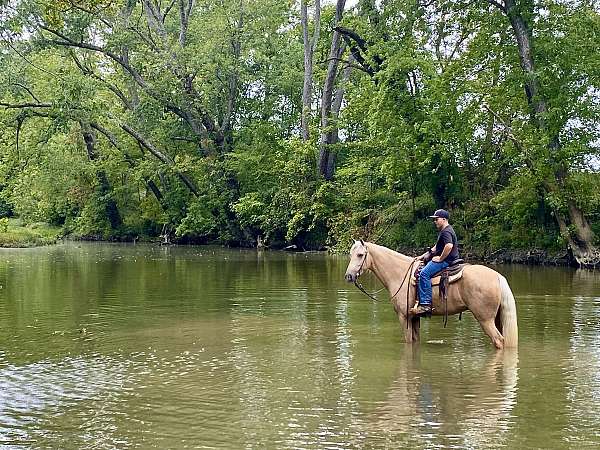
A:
<point x="427" y="255"/>
<point x="446" y="251"/>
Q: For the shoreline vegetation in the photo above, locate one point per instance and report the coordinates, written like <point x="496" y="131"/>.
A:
<point x="15" y="234"/>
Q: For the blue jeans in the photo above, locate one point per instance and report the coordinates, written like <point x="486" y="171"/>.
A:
<point x="425" y="280"/>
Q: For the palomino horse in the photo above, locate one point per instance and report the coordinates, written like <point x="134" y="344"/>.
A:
<point x="481" y="290"/>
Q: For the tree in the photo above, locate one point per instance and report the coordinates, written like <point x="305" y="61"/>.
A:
<point x="329" y="108"/>
<point x="572" y="222"/>
<point x="310" y="45"/>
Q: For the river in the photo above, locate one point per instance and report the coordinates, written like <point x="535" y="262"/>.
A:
<point x="137" y="346"/>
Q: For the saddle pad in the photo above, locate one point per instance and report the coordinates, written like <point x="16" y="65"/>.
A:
<point x="435" y="281"/>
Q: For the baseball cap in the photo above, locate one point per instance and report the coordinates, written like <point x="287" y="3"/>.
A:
<point x="440" y="213"/>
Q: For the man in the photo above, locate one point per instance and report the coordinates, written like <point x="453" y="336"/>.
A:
<point x="444" y="252"/>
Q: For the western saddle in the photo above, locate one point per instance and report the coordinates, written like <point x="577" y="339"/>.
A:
<point x="442" y="279"/>
<point x="453" y="273"/>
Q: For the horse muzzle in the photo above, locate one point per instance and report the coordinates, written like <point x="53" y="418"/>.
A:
<point x="350" y="277"/>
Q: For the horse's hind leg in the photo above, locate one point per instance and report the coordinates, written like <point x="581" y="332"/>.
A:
<point x="489" y="328"/>
<point x="498" y="322"/>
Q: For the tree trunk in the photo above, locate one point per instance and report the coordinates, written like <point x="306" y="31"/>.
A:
<point x="230" y="106"/>
<point x="309" y="49"/>
<point x="185" y="10"/>
<point x="332" y="134"/>
<point x="328" y="129"/>
<point x="157" y="193"/>
<point x="111" y="210"/>
<point x="572" y="223"/>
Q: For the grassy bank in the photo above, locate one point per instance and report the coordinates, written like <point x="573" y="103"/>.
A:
<point x="14" y="234"/>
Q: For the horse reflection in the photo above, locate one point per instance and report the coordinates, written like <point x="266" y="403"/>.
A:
<point x="454" y="407"/>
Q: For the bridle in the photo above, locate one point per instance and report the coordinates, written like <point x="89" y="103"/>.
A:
<point x="372" y="296"/>
<point x="359" y="273"/>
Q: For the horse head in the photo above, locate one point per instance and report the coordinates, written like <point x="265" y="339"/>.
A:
<point x="358" y="261"/>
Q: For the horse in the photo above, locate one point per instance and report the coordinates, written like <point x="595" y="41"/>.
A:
<point x="481" y="290"/>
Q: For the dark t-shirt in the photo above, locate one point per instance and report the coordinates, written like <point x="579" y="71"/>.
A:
<point x="447" y="236"/>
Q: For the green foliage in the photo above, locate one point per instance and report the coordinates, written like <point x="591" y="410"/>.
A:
<point x="216" y="154"/>
<point x="14" y="234"/>
<point x="92" y="221"/>
<point x="200" y="218"/>
<point x="526" y="219"/>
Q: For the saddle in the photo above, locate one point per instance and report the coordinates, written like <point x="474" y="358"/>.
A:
<point x="442" y="279"/>
<point x="453" y="272"/>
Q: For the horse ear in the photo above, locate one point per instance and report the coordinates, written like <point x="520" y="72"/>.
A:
<point x="362" y="242"/>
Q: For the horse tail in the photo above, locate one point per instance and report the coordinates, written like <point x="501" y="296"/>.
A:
<point x="508" y="314"/>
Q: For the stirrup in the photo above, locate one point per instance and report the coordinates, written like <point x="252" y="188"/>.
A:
<point x="422" y="310"/>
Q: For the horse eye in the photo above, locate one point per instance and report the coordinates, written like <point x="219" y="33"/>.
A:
<point x="360" y="255"/>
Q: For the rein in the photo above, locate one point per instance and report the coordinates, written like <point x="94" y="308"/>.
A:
<point x="362" y="289"/>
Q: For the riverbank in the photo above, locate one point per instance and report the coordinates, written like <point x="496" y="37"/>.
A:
<point x="533" y="257"/>
<point x="13" y="234"/>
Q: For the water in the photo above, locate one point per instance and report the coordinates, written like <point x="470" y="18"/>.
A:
<point x="116" y="346"/>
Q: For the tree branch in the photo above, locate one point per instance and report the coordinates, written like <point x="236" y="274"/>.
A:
<point x="511" y="136"/>
<point x="168" y="9"/>
<point x="68" y="42"/>
<point x="115" y="90"/>
<point x="199" y="120"/>
<point x="346" y="62"/>
<point x="29" y="91"/>
<point x="77" y="6"/>
<point x="147" y="144"/>
<point x="161" y="156"/>
<point x="353" y="35"/>
<point x="25" y="105"/>
<point x="184" y="17"/>
<point x="498" y="5"/>
<point x="358" y="46"/>
<point x="154" y="16"/>
<point x="24" y="58"/>
<point x="148" y="40"/>
<point x="111" y="137"/>
<point x="232" y="85"/>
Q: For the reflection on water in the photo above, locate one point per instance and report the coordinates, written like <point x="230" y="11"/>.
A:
<point x="34" y="394"/>
<point x="471" y="408"/>
<point x="108" y="346"/>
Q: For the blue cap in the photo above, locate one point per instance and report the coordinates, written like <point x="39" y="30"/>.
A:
<point x="440" y="213"/>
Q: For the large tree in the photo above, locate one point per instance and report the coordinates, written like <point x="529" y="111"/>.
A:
<point x="571" y="219"/>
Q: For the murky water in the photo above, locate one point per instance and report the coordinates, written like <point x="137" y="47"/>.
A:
<point x="114" y="346"/>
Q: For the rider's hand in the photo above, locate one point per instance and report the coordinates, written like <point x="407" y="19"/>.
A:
<point x="436" y="259"/>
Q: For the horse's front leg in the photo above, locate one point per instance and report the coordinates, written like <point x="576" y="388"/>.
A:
<point x="416" y="328"/>
<point x="408" y="326"/>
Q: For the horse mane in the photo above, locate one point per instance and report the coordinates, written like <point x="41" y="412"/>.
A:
<point x="388" y="251"/>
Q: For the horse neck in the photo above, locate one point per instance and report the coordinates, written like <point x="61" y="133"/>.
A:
<point x="388" y="266"/>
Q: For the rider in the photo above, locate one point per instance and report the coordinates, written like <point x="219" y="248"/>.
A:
<point x="444" y="252"/>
